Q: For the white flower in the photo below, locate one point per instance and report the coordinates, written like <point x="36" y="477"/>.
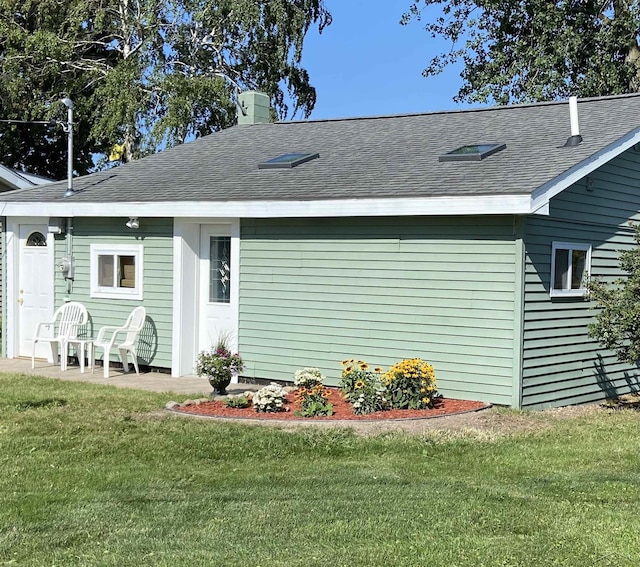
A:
<point x="308" y="377"/>
<point x="270" y="398"/>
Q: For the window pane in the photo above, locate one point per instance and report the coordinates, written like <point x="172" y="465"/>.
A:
<point x="36" y="239"/>
<point x="578" y="263"/>
<point x="127" y="265"/>
<point x="560" y="276"/>
<point x="105" y="271"/>
<point x="220" y="271"/>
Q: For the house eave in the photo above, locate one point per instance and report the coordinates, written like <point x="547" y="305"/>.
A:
<point x="542" y="195"/>
<point x="424" y="206"/>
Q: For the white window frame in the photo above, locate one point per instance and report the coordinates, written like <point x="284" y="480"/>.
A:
<point x="569" y="247"/>
<point x="101" y="292"/>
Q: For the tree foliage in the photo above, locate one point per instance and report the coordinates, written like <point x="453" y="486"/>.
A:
<point x="617" y="324"/>
<point x="532" y="50"/>
<point x="143" y="73"/>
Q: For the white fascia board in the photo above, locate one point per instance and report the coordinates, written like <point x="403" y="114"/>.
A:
<point x="13" y="178"/>
<point x="427" y="206"/>
<point x="542" y="195"/>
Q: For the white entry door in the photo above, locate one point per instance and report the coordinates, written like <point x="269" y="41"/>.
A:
<point x="35" y="286"/>
<point x="218" y="313"/>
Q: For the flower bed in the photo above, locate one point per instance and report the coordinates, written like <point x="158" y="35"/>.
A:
<point x="342" y="410"/>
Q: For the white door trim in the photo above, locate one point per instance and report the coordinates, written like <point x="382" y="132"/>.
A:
<point x="186" y="282"/>
<point x="13" y="275"/>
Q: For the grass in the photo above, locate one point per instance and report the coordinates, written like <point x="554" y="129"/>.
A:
<point x="93" y="475"/>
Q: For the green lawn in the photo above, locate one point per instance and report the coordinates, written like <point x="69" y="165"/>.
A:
<point x="92" y="475"/>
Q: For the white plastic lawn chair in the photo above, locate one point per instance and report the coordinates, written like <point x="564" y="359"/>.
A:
<point x="61" y="331"/>
<point x="124" y="338"/>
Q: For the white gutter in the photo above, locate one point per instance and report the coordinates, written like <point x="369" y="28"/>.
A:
<point x="428" y="206"/>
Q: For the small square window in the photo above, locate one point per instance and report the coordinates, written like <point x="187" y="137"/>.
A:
<point x="570" y="265"/>
<point x="116" y="271"/>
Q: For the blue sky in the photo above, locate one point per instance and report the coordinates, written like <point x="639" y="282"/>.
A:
<point x="365" y="63"/>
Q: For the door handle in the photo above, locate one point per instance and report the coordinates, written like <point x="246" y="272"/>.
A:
<point x="20" y="301"/>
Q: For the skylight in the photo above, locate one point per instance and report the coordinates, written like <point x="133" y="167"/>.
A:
<point x="473" y="152"/>
<point x="286" y="161"/>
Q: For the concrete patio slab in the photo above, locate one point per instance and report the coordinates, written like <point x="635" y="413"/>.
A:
<point x="152" y="381"/>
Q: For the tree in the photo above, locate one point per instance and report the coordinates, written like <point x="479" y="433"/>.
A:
<point x="533" y="50"/>
<point x="617" y="324"/>
<point x="144" y="74"/>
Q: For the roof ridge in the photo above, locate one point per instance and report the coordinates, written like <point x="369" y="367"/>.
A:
<point x="493" y="108"/>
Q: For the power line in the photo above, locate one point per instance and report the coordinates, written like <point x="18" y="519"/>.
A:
<point x="49" y="122"/>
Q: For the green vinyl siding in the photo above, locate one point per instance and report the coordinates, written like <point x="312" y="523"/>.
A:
<point x="561" y="363"/>
<point x="156" y="237"/>
<point x="316" y="291"/>
<point x="3" y="287"/>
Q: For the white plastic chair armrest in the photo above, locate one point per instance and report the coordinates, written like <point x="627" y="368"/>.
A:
<point x="104" y="330"/>
<point x="39" y="326"/>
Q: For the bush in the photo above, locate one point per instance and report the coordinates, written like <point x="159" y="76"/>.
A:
<point x="271" y="398"/>
<point x="616" y="326"/>
<point x="362" y="387"/>
<point x="308" y="378"/>
<point x="311" y="394"/>
<point x="313" y="401"/>
<point x="411" y="384"/>
<point x="240" y="402"/>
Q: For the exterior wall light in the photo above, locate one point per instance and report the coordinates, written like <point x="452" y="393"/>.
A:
<point x="133" y="223"/>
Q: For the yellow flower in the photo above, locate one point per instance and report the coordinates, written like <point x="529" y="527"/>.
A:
<point x="344" y="362"/>
<point x="425" y="400"/>
<point x="364" y="366"/>
<point x="377" y="370"/>
<point x="348" y="369"/>
<point x="359" y="384"/>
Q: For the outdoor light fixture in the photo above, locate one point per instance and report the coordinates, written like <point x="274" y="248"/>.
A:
<point x="68" y="128"/>
<point x="133" y="223"/>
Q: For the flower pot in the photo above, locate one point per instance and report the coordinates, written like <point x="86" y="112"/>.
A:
<point x="219" y="385"/>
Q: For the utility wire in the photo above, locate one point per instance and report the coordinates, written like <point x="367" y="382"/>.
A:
<point x="50" y="122"/>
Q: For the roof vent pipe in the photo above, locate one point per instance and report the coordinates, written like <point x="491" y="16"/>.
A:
<point x="575" y="137"/>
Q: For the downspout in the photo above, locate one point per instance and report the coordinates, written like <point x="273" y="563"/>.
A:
<point x="69" y="239"/>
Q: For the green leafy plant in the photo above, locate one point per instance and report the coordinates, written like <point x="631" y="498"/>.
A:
<point x="616" y="326"/>
<point x="362" y="387"/>
<point x="313" y="401"/>
<point x="240" y="402"/>
<point x="219" y="364"/>
<point x="271" y="398"/>
<point x="411" y="384"/>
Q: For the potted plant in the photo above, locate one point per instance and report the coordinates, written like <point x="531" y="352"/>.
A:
<point x="219" y="365"/>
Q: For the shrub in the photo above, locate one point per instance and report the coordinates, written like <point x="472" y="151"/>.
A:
<point x="271" y="398"/>
<point x="411" y="384"/>
<point x="362" y="387"/>
<point x="240" y="402"/>
<point x="616" y="323"/>
<point x="313" y="401"/>
<point x="308" y="378"/>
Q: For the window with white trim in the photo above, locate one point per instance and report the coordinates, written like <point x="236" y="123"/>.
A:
<point x="570" y="266"/>
<point x="116" y="271"/>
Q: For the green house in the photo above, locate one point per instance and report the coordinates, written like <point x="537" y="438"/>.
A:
<point x="464" y="238"/>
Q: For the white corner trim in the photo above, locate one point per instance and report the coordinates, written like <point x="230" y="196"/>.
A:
<point x="543" y="194"/>
<point x="406" y="206"/>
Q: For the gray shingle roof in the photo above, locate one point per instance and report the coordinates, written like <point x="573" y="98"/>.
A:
<point x="379" y="157"/>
